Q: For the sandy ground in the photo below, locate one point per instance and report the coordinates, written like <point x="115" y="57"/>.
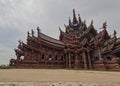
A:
<point x="55" y="75"/>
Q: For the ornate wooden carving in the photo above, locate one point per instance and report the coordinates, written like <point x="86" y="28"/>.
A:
<point x="78" y="47"/>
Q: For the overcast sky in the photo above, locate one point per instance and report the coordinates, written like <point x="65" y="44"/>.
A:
<point x="19" y="16"/>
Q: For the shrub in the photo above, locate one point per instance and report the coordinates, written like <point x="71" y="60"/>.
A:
<point x="5" y="67"/>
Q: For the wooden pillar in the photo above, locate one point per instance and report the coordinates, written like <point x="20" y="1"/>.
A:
<point x="84" y="58"/>
<point x="66" y="55"/>
<point x="26" y="55"/>
<point x="69" y="59"/>
<point x="99" y="51"/>
<point x="66" y="60"/>
<point x="76" y="59"/>
<point x="89" y="59"/>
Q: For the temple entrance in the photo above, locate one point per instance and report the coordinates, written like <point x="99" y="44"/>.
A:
<point x="81" y="60"/>
<point x="86" y="60"/>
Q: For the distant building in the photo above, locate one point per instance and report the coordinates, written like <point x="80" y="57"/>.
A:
<point x="78" y="47"/>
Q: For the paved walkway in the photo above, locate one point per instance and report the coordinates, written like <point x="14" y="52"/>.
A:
<point x="56" y="75"/>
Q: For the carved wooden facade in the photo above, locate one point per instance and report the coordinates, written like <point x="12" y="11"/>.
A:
<point x="78" y="47"/>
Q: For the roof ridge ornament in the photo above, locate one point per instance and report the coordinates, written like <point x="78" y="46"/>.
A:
<point x="28" y="34"/>
<point x="74" y="17"/>
<point x="92" y="22"/>
<point x="114" y="34"/>
<point x="38" y="29"/>
<point x="70" y="22"/>
<point x="60" y="29"/>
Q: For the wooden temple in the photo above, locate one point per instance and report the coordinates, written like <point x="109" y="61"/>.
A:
<point x="78" y="47"/>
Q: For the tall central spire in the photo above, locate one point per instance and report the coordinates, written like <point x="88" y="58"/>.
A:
<point x="74" y="17"/>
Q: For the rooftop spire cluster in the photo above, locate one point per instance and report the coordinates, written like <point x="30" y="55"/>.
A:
<point x="76" y="22"/>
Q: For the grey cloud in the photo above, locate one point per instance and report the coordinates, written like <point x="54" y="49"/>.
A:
<point x="19" y="16"/>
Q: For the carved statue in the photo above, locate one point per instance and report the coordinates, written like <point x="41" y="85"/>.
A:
<point x="12" y="62"/>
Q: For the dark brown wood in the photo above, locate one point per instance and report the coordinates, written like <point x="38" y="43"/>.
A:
<point x="78" y="47"/>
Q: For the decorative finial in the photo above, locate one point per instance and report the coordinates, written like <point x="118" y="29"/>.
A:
<point x="70" y="22"/>
<point x="104" y="25"/>
<point x="32" y="32"/>
<point x="73" y="11"/>
<point x="79" y="18"/>
<point x="59" y="28"/>
<point x="38" y="29"/>
<point x="28" y="33"/>
<point x="114" y="33"/>
<point x="74" y="17"/>
<point x="92" y="22"/>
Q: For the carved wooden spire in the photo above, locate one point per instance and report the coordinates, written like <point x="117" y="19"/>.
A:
<point x="70" y="22"/>
<point x="79" y="18"/>
<point x="74" y="17"/>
